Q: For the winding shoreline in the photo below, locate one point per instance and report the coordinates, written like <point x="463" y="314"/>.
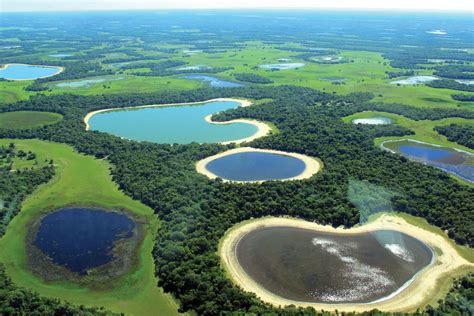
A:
<point x="263" y="129"/>
<point x="408" y="298"/>
<point x="313" y="166"/>
<point x="61" y="69"/>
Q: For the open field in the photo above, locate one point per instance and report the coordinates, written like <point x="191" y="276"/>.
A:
<point x="431" y="283"/>
<point x="83" y="180"/>
<point x="423" y="129"/>
<point x="27" y="119"/>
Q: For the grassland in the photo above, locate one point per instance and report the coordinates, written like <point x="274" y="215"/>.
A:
<point x="27" y="119"/>
<point x="423" y="129"/>
<point x="365" y="72"/>
<point x="83" y="180"/>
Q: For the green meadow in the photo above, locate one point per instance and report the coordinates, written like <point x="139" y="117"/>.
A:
<point x="84" y="180"/>
<point x="27" y="119"/>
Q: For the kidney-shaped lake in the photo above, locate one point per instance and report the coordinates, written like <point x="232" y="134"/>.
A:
<point x="311" y="266"/>
<point x="181" y="124"/>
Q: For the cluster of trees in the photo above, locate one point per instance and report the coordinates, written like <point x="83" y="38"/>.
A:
<point x="459" y="300"/>
<point x="20" y="301"/>
<point x="252" y="78"/>
<point x="455" y="71"/>
<point x="15" y="185"/>
<point x="461" y="134"/>
<point x="463" y="97"/>
<point x="159" y="69"/>
<point x="72" y="70"/>
<point x="195" y="212"/>
<point x="396" y="74"/>
<point x="450" y="84"/>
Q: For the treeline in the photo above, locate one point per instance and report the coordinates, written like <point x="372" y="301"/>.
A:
<point x="252" y="78"/>
<point x="459" y="300"/>
<point x="15" y="185"/>
<point x="463" y="97"/>
<point x="195" y="212"/>
<point x="20" y="301"/>
<point x="72" y="70"/>
<point x="450" y="84"/>
<point x="455" y="71"/>
<point x="461" y="134"/>
<point x="158" y="69"/>
<point x="396" y="74"/>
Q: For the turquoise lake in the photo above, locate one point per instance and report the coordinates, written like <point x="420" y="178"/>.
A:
<point x="182" y="124"/>
<point x="27" y="72"/>
<point x="256" y="166"/>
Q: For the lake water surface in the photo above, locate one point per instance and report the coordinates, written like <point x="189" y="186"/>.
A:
<point x="27" y="72"/>
<point x="380" y="120"/>
<point x="256" y="166"/>
<point x="311" y="266"/>
<point x="181" y="124"/>
<point x="214" y="82"/>
<point x="282" y="66"/>
<point x="415" y="80"/>
<point x="81" y="238"/>
<point x="459" y="163"/>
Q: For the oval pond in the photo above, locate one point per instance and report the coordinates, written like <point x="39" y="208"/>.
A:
<point x="27" y="72"/>
<point x="380" y="120"/>
<point x="311" y="266"/>
<point x="80" y="239"/>
<point x="256" y="166"/>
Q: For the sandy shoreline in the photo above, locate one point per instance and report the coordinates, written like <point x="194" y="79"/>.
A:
<point x="61" y="69"/>
<point x="415" y="295"/>
<point x="312" y="165"/>
<point x="262" y="128"/>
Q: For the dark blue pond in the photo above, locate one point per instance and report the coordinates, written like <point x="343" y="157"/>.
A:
<point x="458" y="163"/>
<point x="82" y="238"/>
<point x="213" y="81"/>
<point x="256" y="166"/>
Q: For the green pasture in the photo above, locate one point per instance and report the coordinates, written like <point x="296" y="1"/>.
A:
<point x="83" y="180"/>
<point x="27" y="119"/>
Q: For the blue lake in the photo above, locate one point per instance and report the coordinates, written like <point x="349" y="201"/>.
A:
<point x="27" y="72"/>
<point x="256" y="166"/>
<point x="182" y="124"/>
<point x="84" y="83"/>
<point x="82" y="238"/>
<point x="379" y="120"/>
<point x="213" y="81"/>
<point x="282" y="66"/>
<point x="460" y="164"/>
<point x="60" y="55"/>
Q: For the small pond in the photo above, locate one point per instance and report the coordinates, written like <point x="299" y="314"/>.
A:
<point x="85" y="83"/>
<point x="214" y="82"/>
<point x="312" y="266"/>
<point x="379" y="120"/>
<point x="80" y="239"/>
<point x="415" y="80"/>
<point x="60" y="55"/>
<point x="27" y="72"/>
<point x="181" y="124"/>
<point x="192" y="68"/>
<point x="282" y="66"/>
<point x="467" y="82"/>
<point x="334" y="79"/>
<point x="256" y="166"/>
<point x="456" y="162"/>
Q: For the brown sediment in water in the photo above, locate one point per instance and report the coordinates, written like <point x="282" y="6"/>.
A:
<point x="418" y="293"/>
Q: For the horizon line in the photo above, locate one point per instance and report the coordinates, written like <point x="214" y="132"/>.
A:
<point x="372" y="9"/>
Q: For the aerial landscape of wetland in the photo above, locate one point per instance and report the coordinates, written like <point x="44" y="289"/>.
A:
<point x="216" y="158"/>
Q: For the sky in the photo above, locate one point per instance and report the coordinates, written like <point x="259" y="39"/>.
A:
<point x="81" y="5"/>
